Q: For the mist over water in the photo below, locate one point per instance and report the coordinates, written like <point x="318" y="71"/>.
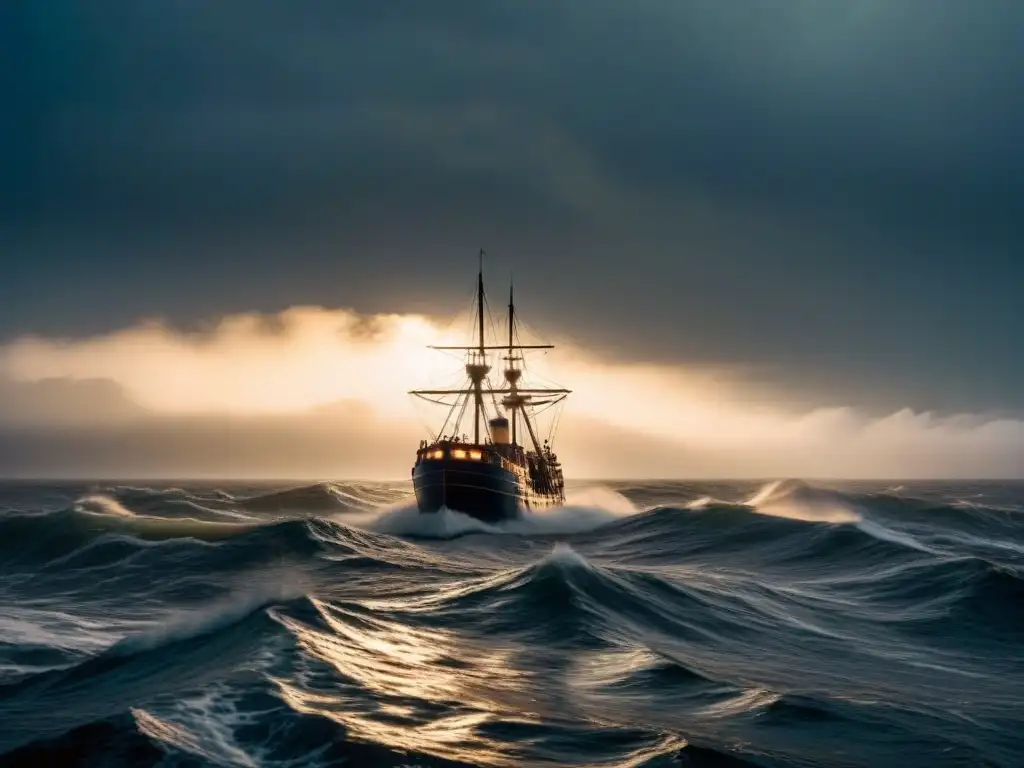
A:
<point x="642" y="624"/>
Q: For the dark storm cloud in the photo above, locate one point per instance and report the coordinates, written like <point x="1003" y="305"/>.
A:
<point x="828" y="191"/>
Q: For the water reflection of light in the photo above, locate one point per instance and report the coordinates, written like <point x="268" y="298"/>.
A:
<point x="430" y="691"/>
<point x="439" y="692"/>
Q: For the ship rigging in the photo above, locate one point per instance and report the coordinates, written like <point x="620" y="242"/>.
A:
<point x="493" y="477"/>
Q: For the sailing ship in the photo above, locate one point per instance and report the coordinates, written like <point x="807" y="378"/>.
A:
<point x="491" y="477"/>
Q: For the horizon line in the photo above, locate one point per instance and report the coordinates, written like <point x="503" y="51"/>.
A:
<point x="322" y="480"/>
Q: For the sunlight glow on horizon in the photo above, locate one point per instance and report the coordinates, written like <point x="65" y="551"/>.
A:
<point x="314" y="357"/>
<point x="253" y="366"/>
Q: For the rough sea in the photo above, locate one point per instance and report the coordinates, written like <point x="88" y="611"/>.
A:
<point x="643" y="624"/>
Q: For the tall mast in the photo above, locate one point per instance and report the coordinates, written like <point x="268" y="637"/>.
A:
<point x="478" y="379"/>
<point x="512" y="378"/>
<point x="511" y="315"/>
<point x="480" y="299"/>
<point x="477" y="369"/>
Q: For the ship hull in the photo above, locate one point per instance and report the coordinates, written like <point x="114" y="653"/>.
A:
<point x="485" y="491"/>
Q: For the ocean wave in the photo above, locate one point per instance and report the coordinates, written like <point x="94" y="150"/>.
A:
<point x="181" y="652"/>
<point x="774" y="624"/>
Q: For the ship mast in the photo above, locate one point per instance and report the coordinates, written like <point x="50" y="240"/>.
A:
<point x="478" y="369"/>
<point x="511" y="374"/>
<point x="515" y="399"/>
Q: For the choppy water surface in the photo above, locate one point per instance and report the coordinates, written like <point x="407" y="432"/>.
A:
<point x="779" y="624"/>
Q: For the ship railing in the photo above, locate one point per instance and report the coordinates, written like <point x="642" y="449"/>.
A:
<point x="466" y="453"/>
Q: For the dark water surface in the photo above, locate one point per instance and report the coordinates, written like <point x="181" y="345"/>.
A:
<point x="647" y="624"/>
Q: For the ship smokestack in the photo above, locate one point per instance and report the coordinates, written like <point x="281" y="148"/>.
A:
<point x="499" y="430"/>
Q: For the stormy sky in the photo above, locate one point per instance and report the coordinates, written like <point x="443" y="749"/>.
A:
<point x="824" y="197"/>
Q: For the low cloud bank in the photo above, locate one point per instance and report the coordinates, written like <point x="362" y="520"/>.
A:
<point x="312" y="392"/>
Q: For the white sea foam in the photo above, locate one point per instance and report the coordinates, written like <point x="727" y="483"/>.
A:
<point x="584" y="510"/>
<point x="207" y="619"/>
<point x="101" y="504"/>
<point x="798" y="501"/>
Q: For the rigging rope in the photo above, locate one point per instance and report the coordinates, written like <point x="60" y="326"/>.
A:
<point x="531" y="411"/>
<point x="462" y="413"/>
<point x="451" y="411"/>
<point x="554" y="423"/>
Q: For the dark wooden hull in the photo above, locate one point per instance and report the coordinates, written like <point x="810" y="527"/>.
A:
<point x="486" y="491"/>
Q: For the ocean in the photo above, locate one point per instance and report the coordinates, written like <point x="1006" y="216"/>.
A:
<point x="644" y="624"/>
